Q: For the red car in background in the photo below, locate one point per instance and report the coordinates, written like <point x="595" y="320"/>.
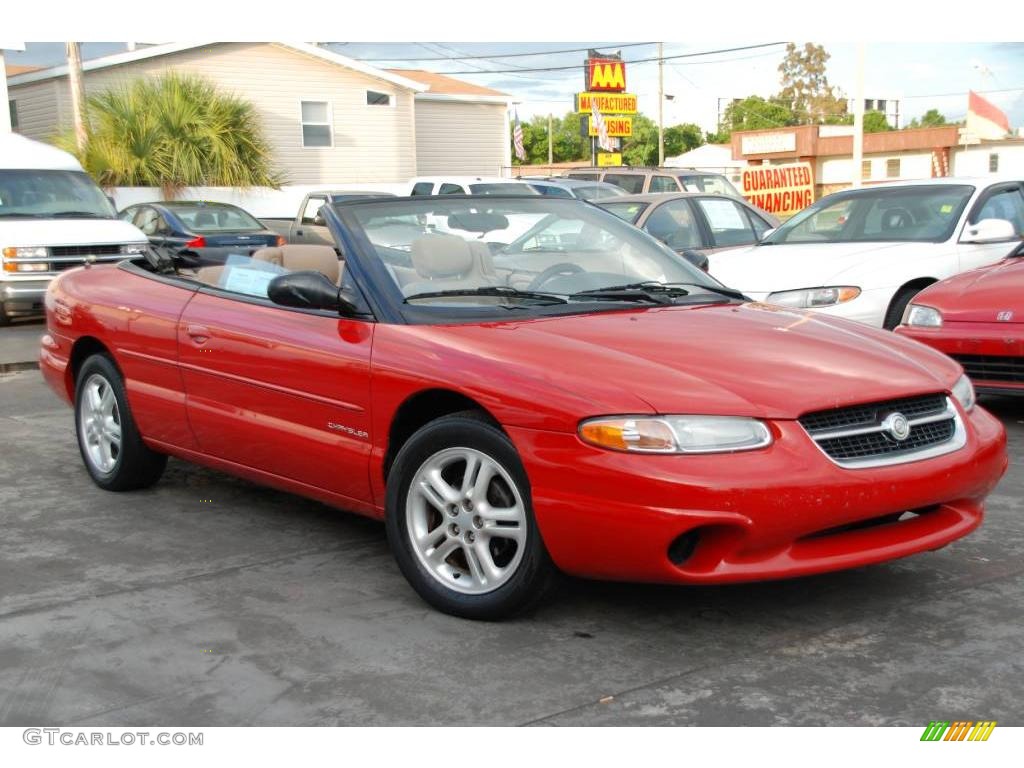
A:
<point x="977" y="318"/>
<point x="519" y="385"/>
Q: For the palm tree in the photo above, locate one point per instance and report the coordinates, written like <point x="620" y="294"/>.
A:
<point x="173" y="131"/>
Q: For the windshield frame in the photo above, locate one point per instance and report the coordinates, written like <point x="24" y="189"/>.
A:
<point x="777" y="237"/>
<point x="388" y="302"/>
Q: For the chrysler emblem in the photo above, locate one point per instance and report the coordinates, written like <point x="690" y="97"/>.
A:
<point x="1005" y="316"/>
<point x="897" y="426"/>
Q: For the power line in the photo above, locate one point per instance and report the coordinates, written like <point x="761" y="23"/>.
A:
<point x="961" y="93"/>
<point x="509" y="55"/>
<point x="634" y="61"/>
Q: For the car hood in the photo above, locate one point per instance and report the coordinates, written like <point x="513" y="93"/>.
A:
<point x="28" y="232"/>
<point x="766" y="268"/>
<point x="980" y="295"/>
<point x="748" y="360"/>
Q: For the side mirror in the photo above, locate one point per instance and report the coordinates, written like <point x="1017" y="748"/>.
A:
<point x="989" y="231"/>
<point x="696" y="258"/>
<point x="309" y="290"/>
<point x="767" y="232"/>
<point x="318" y="221"/>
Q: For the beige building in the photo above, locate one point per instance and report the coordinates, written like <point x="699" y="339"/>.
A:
<point x="330" y="119"/>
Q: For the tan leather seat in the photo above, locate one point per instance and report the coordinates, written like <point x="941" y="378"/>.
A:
<point x="445" y="262"/>
<point x="209" y="275"/>
<point x="294" y="258"/>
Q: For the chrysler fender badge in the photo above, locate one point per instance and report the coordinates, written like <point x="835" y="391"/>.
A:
<point x="360" y="433"/>
<point x="1005" y="316"/>
<point x="897" y="426"/>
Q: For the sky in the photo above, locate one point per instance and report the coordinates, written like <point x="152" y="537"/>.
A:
<point x="921" y="75"/>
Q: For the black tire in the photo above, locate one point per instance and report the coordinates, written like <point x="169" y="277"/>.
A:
<point x="535" y="573"/>
<point x="135" y="464"/>
<point x="894" y="315"/>
<point x="5" y="319"/>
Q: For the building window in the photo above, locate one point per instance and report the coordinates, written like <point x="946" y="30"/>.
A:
<point x="865" y="169"/>
<point x="880" y="105"/>
<point x="13" y="105"/>
<point x="316" y="124"/>
<point x="374" y="98"/>
<point x="892" y="168"/>
<point x="993" y="159"/>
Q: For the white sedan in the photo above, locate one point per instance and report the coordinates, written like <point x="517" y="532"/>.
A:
<point x="864" y="253"/>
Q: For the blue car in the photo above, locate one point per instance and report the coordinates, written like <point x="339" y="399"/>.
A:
<point x="206" y="233"/>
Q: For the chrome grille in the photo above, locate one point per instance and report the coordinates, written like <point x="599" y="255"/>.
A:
<point x="84" y="250"/>
<point x="859" y="436"/>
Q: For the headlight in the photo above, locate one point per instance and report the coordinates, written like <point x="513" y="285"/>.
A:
<point x="808" y="298"/>
<point x="922" y="316"/>
<point x="134" y="249"/>
<point x="26" y="252"/>
<point x="963" y="391"/>
<point x="676" y="434"/>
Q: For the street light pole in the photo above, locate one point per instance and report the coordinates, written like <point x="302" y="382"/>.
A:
<point x="858" y="119"/>
<point x="77" y="93"/>
<point x="551" y="147"/>
<point x="661" y="106"/>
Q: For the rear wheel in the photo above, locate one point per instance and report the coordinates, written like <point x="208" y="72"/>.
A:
<point x="5" y="319"/>
<point x="460" y="521"/>
<point x="110" y="444"/>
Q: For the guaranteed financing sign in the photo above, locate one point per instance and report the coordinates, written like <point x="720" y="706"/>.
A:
<point x="779" y="189"/>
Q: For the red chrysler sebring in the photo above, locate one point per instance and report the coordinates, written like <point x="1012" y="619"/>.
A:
<point x="524" y="385"/>
<point x="977" y="318"/>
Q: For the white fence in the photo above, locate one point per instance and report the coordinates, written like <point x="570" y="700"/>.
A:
<point x="261" y="202"/>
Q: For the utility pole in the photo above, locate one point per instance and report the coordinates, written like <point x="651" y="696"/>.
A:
<point x="77" y="93"/>
<point x="551" y="145"/>
<point x="661" y="106"/>
<point x="858" y="118"/>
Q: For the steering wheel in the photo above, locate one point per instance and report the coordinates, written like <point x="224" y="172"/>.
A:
<point x="897" y="218"/>
<point x="555" y="270"/>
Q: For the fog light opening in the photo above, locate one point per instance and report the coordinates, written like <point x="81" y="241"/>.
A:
<point x="682" y="547"/>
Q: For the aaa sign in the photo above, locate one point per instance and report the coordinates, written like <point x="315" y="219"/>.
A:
<point x="779" y="189"/>
<point x="606" y="75"/>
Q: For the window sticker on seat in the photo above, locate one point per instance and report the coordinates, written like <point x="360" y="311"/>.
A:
<point x="250" y="278"/>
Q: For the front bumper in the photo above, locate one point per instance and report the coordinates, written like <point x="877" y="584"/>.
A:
<point x="983" y="339"/>
<point x="23" y="296"/>
<point x="780" y="512"/>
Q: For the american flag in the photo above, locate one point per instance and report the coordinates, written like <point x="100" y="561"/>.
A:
<point x="517" y="139"/>
<point x="603" y="140"/>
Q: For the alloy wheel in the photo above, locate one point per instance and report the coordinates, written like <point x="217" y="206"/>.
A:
<point x="466" y="520"/>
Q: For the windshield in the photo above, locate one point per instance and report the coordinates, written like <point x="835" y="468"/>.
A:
<point x="711" y="182"/>
<point x="502" y="189"/>
<point x="209" y="219"/>
<point x="46" y="194"/>
<point x="598" y="191"/>
<point x="508" y="246"/>
<point x="913" y="213"/>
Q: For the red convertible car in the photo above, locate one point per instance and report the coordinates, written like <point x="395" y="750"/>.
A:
<point x="519" y="386"/>
<point x="977" y="318"/>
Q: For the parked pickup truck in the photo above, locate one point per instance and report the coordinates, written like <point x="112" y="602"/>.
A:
<point x="308" y="225"/>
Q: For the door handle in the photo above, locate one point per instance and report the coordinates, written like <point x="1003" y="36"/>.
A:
<point x="198" y="333"/>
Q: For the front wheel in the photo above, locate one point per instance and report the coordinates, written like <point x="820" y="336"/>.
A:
<point x="460" y="521"/>
<point x="111" y="447"/>
<point x="894" y="315"/>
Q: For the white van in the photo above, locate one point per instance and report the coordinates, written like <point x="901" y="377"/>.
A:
<point x="52" y="217"/>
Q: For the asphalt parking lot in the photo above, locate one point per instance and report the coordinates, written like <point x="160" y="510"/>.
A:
<point x="210" y="601"/>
